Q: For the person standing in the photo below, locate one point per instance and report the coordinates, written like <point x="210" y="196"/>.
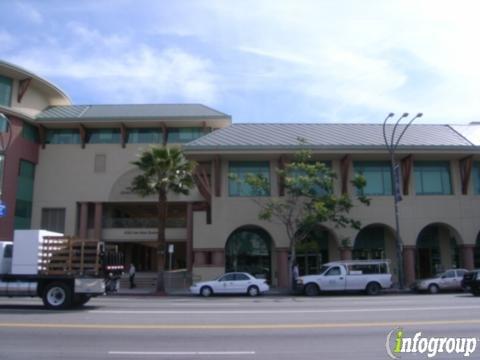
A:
<point x="131" y="276"/>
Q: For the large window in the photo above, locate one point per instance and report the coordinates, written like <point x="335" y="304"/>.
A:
<point x="23" y="204"/>
<point x="378" y="177"/>
<point x="145" y="136"/>
<point x="183" y="135"/>
<point x="320" y="188"/>
<point x="249" y="250"/>
<point x="53" y="220"/>
<point x="5" y="91"/>
<point x="432" y="178"/>
<point x="63" y="136"/>
<point x="238" y="172"/>
<point x="103" y="136"/>
<point x="30" y="132"/>
<point x="476" y="177"/>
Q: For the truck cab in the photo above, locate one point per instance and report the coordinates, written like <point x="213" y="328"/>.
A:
<point x="355" y="275"/>
<point x="6" y="251"/>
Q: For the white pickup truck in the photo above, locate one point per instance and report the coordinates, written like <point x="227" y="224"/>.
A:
<point x="356" y="275"/>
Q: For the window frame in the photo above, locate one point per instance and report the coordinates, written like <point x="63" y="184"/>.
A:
<point x="421" y="167"/>
<point x="238" y="187"/>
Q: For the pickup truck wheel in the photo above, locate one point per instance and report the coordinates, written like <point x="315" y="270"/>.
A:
<point x="311" y="290"/>
<point x="57" y="295"/>
<point x="253" y="291"/>
<point x="206" y="291"/>
<point x="433" y="289"/>
<point x="373" y="288"/>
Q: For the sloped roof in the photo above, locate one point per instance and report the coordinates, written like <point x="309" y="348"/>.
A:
<point x="128" y="111"/>
<point x="471" y="132"/>
<point x="274" y="136"/>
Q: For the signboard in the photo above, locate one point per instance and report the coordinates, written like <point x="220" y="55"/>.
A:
<point x="170" y="248"/>
<point x="3" y="210"/>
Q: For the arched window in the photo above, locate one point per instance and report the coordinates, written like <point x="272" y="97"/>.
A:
<point x="249" y="249"/>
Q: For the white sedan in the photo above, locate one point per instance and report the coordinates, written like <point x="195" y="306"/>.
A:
<point x="231" y="283"/>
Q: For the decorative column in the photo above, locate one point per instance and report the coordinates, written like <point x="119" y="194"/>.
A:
<point x="467" y="256"/>
<point x="189" y="255"/>
<point x="346" y="253"/>
<point x="409" y="264"/>
<point x="82" y="229"/>
<point x="97" y="230"/>
<point x="282" y="268"/>
<point x="200" y="258"/>
<point x="218" y="257"/>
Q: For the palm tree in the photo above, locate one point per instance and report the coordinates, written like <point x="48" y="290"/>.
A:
<point x="163" y="170"/>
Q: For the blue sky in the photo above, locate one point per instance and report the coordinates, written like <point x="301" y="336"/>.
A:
<point x="259" y="60"/>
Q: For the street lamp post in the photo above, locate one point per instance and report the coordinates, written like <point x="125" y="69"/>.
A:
<point x="392" y="144"/>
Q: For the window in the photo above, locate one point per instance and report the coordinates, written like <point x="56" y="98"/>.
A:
<point x="145" y="136"/>
<point x="228" y="277"/>
<point x="335" y="271"/>
<point x="449" y="274"/>
<point x="100" y="163"/>
<point x="53" y="220"/>
<point x="378" y="177"/>
<point x="2" y="164"/>
<point x="23" y="204"/>
<point x="8" y="251"/>
<point x="30" y="132"/>
<point x="183" y="135"/>
<point x="432" y="178"/>
<point x="5" y="91"/>
<point x="239" y="170"/>
<point x="241" y="277"/>
<point x="476" y="177"/>
<point x="63" y="136"/>
<point x="103" y="136"/>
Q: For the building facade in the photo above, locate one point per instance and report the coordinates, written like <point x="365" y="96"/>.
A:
<point x="69" y="169"/>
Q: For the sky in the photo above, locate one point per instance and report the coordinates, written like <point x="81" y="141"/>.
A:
<point x="257" y="60"/>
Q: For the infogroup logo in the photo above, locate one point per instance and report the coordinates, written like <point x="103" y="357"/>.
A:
<point x="398" y="344"/>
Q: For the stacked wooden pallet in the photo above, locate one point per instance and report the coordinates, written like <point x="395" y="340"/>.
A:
<point x="65" y="255"/>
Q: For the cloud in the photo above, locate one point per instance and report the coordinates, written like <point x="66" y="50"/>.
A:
<point x="27" y="11"/>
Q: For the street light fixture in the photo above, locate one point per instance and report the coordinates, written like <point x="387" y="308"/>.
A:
<point x="392" y="145"/>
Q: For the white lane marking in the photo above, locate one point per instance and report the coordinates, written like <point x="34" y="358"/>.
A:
<point x="169" y="353"/>
<point x="306" y="311"/>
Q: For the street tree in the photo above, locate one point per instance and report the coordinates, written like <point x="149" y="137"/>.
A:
<point x="309" y="200"/>
<point x="163" y="170"/>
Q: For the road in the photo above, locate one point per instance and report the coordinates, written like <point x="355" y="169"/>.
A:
<point x="267" y="327"/>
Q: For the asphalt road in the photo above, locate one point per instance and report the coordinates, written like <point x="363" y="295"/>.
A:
<point x="267" y="327"/>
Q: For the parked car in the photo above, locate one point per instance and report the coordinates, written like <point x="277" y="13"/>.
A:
<point x="356" y="275"/>
<point x="231" y="283"/>
<point x="450" y="280"/>
<point x="471" y="282"/>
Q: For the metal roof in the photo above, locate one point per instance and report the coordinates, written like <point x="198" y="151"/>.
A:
<point x="128" y="111"/>
<point x="275" y="136"/>
<point x="471" y="132"/>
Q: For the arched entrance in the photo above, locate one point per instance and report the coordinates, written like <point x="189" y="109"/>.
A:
<point x="249" y="249"/>
<point x="315" y="249"/>
<point x="437" y="250"/>
<point x="374" y="242"/>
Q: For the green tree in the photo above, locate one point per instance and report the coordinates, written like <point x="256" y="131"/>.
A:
<point x="163" y="170"/>
<point x="309" y="200"/>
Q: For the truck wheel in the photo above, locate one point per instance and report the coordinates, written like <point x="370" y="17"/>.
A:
<point x="373" y="288"/>
<point x="57" y="295"/>
<point x="311" y="290"/>
<point x="433" y="289"/>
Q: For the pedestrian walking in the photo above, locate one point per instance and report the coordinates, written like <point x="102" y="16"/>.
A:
<point x="131" y="276"/>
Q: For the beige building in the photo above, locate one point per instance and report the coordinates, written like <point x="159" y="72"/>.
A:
<point x="83" y="169"/>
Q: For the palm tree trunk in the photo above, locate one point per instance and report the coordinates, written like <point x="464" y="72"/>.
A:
<point x="162" y="217"/>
